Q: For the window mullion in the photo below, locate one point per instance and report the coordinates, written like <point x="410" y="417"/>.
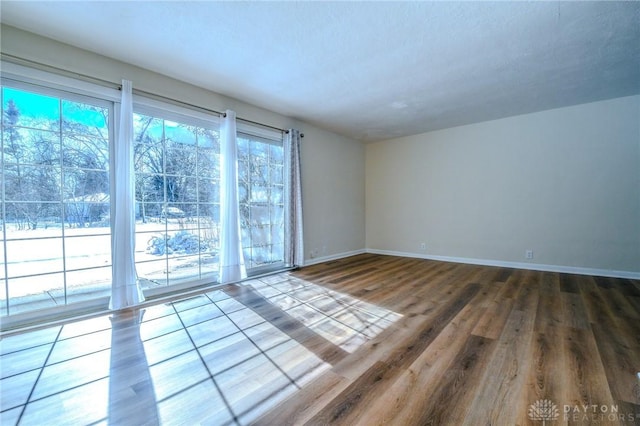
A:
<point x="63" y="206"/>
<point x="4" y="211"/>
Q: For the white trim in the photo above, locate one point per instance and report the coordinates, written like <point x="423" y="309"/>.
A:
<point x="516" y="265"/>
<point x="270" y="135"/>
<point x="172" y="112"/>
<point x="51" y="80"/>
<point x="35" y="318"/>
<point x="162" y="290"/>
<point x="316" y="260"/>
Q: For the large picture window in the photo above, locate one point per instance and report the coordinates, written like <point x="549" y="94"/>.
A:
<point x="55" y="199"/>
<point x="261" y="198"/>
<point x="177" y="200"/>
<point x="55" y="211"/>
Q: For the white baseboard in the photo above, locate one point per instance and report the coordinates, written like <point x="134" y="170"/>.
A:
<point x="515" y="265"/>
<point x="316" y="260"/>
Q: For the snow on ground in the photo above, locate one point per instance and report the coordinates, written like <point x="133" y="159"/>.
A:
<point x="39" y="257"/>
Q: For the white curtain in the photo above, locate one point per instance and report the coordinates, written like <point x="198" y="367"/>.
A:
<point x="231" y="258"/>
<point x="294" y="243"/>
<point x="125" y="290"/>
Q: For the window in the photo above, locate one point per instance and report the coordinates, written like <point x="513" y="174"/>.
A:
<point x="177" y="200"/>
<point x="55" y="199"/>
<point x="55" y="211"/>
<point x="261" y="198"/>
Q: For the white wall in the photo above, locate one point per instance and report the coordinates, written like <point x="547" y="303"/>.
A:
<point x="564" y="183"/>
<point x="332" y="165"/>
<point x="333" y="194"/>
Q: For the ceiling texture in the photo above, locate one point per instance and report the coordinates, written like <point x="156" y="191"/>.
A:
<point x="367" y="70"/>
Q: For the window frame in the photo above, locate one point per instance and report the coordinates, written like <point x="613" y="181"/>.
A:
<point x="169" y="112"/>
<point x="61" y="93"/>
<point x="274" y="138"/>
<point x="62" y="84"/>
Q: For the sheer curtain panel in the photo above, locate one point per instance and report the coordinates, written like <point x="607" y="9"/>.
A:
<point x="232" y="266"/>
<point x="125" y="290"/>
<point x="294" y="241"/>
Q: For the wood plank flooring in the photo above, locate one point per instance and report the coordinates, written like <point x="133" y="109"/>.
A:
<point x="365" y="340"/>
<point x="477" y="346"/>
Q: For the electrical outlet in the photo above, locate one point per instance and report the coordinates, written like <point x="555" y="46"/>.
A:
<point x="528" y="254"/>
<point x="423" y="246"/>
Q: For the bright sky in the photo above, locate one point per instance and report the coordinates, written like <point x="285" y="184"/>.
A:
<point x="34" y="107"/>
<point x="40" y="111"/>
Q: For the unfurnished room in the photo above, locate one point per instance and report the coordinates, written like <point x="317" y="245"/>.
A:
<point x="320" y="213"/>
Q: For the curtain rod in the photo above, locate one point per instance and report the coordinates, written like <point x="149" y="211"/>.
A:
<point x="90" y="79"/>
<point x="208" y="110"/>
<point x="60" y="71"/>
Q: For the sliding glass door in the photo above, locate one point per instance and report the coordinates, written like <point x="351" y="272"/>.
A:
<point x="177" y="169"/>
<point x="55" y="199"/>
<point x="55" y="196"/>
<point x="261" y="190"/>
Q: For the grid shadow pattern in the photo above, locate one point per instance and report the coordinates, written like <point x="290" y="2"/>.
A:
<point x="223" y="357"/>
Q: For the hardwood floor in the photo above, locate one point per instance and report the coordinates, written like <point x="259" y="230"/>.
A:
<point x="364" y="340"/>
<point x="478" y="346"/>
